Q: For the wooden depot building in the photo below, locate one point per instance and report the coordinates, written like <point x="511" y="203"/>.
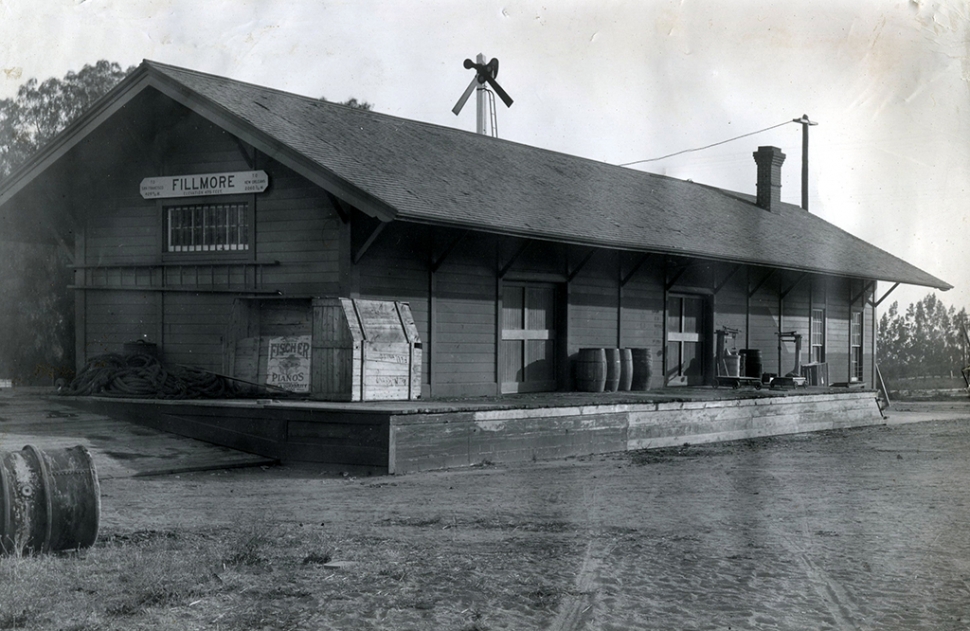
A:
<point x="243" y="230"/>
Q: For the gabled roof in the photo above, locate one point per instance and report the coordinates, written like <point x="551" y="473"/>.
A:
<point x="399" y="169"/>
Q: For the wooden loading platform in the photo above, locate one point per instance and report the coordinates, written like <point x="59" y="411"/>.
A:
<point x="406" y="436"/>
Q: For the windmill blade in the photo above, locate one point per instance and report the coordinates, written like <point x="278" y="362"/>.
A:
<point x="464" y="97"/>
<point x="502" y="94"/>
<point x="492" y="68"/>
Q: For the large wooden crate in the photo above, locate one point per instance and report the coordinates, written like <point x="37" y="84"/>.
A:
<point x="364" y="350"/>
<point x="254" y="323"/>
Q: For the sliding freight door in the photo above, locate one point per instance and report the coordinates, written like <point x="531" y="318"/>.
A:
<point x="527" y="350"/>
<point x="686" y="340"/>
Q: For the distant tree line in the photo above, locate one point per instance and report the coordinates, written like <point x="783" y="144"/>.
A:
<point x="352" y="102"/>
<point x="927" y="340"/>
<point x="36" y="307"/>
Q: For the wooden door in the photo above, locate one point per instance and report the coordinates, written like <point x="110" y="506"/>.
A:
<point x="686" y="340"/>
<point x="527" y="351"/>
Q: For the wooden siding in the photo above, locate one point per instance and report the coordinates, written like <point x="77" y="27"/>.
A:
<point x="297" y="225"/>
<point x="195" y="326"/>
<point x="115" y="317"/>
<point x="457" y="322"/>
<point x="593" y="301"/>
<point x="763" y="320"/>
<point x="187" y="302"/>
<point x="868" y="344"/>
<point x="641" y="317"/>
<point x="124" y="231"/>
<point x="303" y="246"/>
<point x="837" y="332"/>
<point x="731" y="302"/>
<point x="795" y="317"/>
<point x="465" y="321"/>
<point x="396" y="268"/>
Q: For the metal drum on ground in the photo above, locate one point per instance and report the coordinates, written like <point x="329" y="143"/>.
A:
<point x="49" y="501"/>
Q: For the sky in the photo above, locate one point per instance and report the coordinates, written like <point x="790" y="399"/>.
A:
<point x="616" y="81"/>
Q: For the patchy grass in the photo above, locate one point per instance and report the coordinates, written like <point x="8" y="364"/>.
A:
<point x="285" y="576"/>
<point x="927" y="388"/>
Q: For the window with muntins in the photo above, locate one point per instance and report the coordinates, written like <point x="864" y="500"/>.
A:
<point x="216" y="227"/>
<point x="855" y="335"/>
<point x="818" y="336"/>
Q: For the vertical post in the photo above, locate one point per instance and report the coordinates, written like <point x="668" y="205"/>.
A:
<point x="480" y="101"/>
<point x="432" y="315"/>
<point x="82" y="276"/>
<point x="619" y="301"/>
<point x="805" y="123"/>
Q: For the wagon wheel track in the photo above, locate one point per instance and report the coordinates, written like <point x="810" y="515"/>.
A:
<point x="576" y="610"/>
<point x="840" y="604"/>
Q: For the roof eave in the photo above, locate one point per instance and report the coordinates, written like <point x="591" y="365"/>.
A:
<point x="936" y="283"/>
<point x="271" y="146"/>
<point x="146" y="76"/>
<point x="103" y="109"/>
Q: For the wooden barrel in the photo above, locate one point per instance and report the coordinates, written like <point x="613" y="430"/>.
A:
<point x="626" y="369"/>
<point x="752" y="362"/>
<point x="641" y="368"/>
<point x="612" y="369"/>
<point x="591" y="370"/>
<point x="50" y="500"/>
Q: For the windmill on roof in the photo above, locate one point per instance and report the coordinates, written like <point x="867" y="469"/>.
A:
<point x="484" y="74"/>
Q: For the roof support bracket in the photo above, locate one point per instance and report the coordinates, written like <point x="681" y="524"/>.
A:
<point x="719" y="286"/>
<point x="342" y="210"/>
<point x="636" y="268"/>
<point x="752" y="292"/>
<point x="376" y="232"/>
<point x="677" y="274"/>
<point x="884" y="296"/>
<point x="800" y="278"/>
<point x="576" y="270"/>
<point x="865" y="289"/>
<point x="515" y="257"/>
<point x="436" y="262"/>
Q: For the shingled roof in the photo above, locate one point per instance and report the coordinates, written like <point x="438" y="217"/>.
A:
<point x="399" y="169"/>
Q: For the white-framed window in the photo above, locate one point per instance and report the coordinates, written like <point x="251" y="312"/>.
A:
<point x="817" y="336"/>
<point x="207" y="227"/>
<point x="855" y="346"/>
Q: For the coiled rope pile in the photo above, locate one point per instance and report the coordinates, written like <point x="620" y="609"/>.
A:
<point x="144" y="376"/>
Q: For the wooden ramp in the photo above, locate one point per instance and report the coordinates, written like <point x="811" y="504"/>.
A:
<point x="119" y="449"/>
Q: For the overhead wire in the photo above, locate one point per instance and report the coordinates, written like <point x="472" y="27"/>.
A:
<point x="671" y="155"/>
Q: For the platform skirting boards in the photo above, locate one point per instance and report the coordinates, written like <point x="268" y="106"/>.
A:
<point x="388" y="440"/>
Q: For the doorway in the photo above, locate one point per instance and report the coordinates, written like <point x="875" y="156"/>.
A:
<point x="687" y="340"/>
<point x="528" y="347"/>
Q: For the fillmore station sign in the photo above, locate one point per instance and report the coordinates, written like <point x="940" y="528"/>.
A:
<point x="204" y="184"/>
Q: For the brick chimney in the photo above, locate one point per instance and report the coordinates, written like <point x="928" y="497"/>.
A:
<point x="769" y="160"/>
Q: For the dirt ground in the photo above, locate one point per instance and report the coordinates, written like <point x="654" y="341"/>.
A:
<point x="855" y="529"/>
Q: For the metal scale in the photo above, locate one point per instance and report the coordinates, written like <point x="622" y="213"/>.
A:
<point x="794" y="378"/>
<point x="728" y="363"/>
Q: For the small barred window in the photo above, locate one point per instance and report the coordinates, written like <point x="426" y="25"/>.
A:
<point x="207" y="228"/>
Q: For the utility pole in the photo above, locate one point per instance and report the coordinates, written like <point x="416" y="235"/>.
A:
<point x="805" y="123"/>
